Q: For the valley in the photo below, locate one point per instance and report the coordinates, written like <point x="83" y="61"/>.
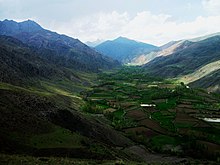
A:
<point x="63" y="102"/>
<point x="173" y="119"/>
<point x="122" y="113"/>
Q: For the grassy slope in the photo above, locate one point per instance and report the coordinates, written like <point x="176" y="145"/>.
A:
<point x="35" y="119"/>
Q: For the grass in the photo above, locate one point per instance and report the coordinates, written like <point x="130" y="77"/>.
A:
<point x="59" y="138"/>
<point x="164" y="106"/>
<point x="29" y="160"/>
<point x="6" y="86"/>
<point x="159" y="141"/>
<point x="165" y="119"/>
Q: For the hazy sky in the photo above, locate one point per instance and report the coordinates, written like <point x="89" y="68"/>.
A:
<point x="151" y="21"/>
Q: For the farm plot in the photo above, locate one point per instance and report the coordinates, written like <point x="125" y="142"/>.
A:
<point x="152" y="125"/>
<point x="136" y="115"/>
<point x="148" y="133"/>
<point x="183" y="120"/>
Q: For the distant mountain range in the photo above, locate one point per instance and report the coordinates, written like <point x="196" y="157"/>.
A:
<point x="124" y="49"/>
<point x="59" y="49"/>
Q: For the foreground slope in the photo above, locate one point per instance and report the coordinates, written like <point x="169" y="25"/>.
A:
<point x="124" y="49"/>
<point x="60" y="49"/>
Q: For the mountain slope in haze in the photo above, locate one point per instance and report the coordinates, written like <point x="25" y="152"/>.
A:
<point x="201" y="72"/>
<point x="164" y="50"/>
<point x="210" y="82"/>
<point x="167" y="49"/>
<point x="187" y="60"/>
<point x="61" y="49"/>
<point x="124" y="49"/>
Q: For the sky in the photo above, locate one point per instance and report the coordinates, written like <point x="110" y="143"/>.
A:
<point x="152" y="21"/>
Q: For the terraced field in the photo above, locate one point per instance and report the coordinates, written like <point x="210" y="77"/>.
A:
<point x="172" y="120"/>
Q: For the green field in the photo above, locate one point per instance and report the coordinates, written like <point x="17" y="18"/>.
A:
<point x="175" y="116"/>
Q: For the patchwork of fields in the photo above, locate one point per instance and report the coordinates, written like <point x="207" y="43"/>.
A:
<point x="171" y="120"/>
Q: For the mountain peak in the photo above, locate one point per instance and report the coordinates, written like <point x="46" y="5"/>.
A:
<point x="124" y="49"/>
<point x="12" y="27"/>
<point x="122" y="39"/>
<point x="30" y="24"/>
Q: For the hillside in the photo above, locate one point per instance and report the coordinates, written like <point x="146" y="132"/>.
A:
<point x="59" y="49"/>
<point x="187" y="60"/>
<point x="201" y="72"/>
<point x="168" y="49"/>
<point x="165" y="50"/>
<point x="124" y="49"/>
<point x="41" y="110"/>
<point x="209" y="81"/>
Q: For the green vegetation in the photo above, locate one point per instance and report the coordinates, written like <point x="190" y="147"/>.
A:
<point x="169" y="125"/>
<point x="41" y="118"/>
<point x="59" y="138"/>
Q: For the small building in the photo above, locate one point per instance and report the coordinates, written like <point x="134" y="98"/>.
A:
<point x="148" y="105"/>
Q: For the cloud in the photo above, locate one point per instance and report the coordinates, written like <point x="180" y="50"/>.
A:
<point x="97" y="26"/>
<point x="89" y="22"/>
<point x="144" y="26"/>
<point x="212" y="6"/>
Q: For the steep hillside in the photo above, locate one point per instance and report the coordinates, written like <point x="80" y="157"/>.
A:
<point x="41" y="110"/>
<point x="201" y="72"/>
<point x="168" y="49"/>
<point x="165" y="50"/>
<point x="124" y="49"/>
<point x="59" y="49"/>
<point x="22" y="65"/>
<point x="187" y="60"/>
<point x="210" y="81"/>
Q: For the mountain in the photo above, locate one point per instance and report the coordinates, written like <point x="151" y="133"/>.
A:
<point x="61" y="49"/>
<point x="210" y="81"/>
<point x="94" y="43"/>
<point x="167" y="49"/>
<point x="124" y="49"/>
<point x="204" y="37"/>
<point x="186" y="60"/>
<point x="164" y="50"/>
<point x="22" y="65"/>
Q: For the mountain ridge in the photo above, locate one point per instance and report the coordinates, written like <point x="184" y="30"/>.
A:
<point x="64" y="50"/>
<point x="124" y="49"/>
